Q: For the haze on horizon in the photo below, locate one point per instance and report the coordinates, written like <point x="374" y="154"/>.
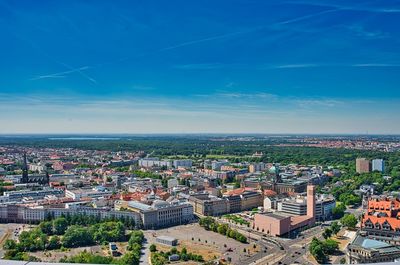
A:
<point x="200" y="67"/>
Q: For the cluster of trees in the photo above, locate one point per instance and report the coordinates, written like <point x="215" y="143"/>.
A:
<point x="236" y="219"/>
<point x="349" y="220"/>
<point x="145" y="174"/>
<point x="86" y="220"/>
<point x="76" y="236"/>
<point x="201" y="146"/>
<point x="87" y="258"/>
<point x="161" y="258"/>
<point x="322" y="249"/>
<point x="332" y="230"/>
<point x="55" y="234"/>
<point x="71" y="232"/>
<point x="210" y="224"/>
<point x="131" y="257"/>
<point x="15" y="255"/>
<point x="338" y="211"/>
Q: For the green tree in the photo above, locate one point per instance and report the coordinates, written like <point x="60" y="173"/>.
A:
<point x="60" y="225"/>
<point x="153" y="248"/>
<point x="335" y="227"/>
<point x="54" y="243"/>
<point x="338" y="211"/>
<point x="349" y="220"/>
<point x="77" y="236"/>
<point x="327" y="233"/>
<point x="330" y="246"/>
<point x="9" y="244"/>
<point x="46" y="227"/>
<point x="130" y="258"/>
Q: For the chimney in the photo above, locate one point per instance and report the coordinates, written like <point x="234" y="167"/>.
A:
<point x="311" y="202"/>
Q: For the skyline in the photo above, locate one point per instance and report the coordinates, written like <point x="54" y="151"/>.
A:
<point x="227" y="67"/>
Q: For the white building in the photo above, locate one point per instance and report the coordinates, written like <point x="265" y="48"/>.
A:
<point x="154" y="162"/>
<point x="37" y="167"/>
<point x="172" y="183"/>
<point x="216" y="165"/>
<point x="378" y="165"/>
<point x="77" y="194"/>
<point x="185" y="163"/>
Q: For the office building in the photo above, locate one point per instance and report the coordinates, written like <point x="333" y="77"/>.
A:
<point x="184" y="163"/>
<point x="17" y="196"/>
<point x="154" y="162"/>
<point x="299" y="206"/>
<point x="216" y="165"/>
<point x="162" y="214"/>
<point x="378" y="165"/>
<point x="21" y="214"/>
<point x="363" y="165"/>
<point x="281" y="224"/>
<point x="256" y="167"/>
<point x="207" y="205"/>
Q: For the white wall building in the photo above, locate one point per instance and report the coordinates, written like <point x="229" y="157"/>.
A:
<point x="378" y="165"/>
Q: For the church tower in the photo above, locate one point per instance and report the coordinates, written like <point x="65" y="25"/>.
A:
<point x="25" y="170"/>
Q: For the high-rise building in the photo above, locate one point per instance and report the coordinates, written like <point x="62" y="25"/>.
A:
<point x="363" y="165"/>
<point x="311" y="202"/>
<point x="378" y="165"/>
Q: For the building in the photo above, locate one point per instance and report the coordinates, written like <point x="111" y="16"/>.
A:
<point x="78" y="194"/>
<point x="35" y="178"/>
<point x="363" y="165"/>
<point x="378" y="165"/>
<point x="250" y="200"/>
<point x="16" y="196"/>
<point x="172" y="183"/>
<point x="366" y="250"/>
<point x="216" y="165"/>
<point x="256" y="167"/>
<point x="381" y="219"/>
<point x="154" y="162"/>
<point x="21" y="214"/>
<point x="281" y="224"/>
<point x="290" y="186"/>
<point x="37" y="167"/>
<point x="167" y="240"/>
<point x="184" y="163"/>
<point x="162" y="214"/>
<point x="298" y="206"/>
<point x="207" y="205"/>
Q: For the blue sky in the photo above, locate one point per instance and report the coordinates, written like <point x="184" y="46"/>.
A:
<point x="200" y="66"/>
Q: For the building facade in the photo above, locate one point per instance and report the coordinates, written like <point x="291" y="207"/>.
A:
<point x="363" y="165"/>
<point x="378" y="165"/>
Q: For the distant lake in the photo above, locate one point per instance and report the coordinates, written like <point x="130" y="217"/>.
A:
<point x="85" y="138"/>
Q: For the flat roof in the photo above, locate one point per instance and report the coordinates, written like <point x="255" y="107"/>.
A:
<point x="276" y="216"/>
<point x="167" y="238"/>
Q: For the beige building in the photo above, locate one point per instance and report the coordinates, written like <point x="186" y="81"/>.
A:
<point x="206" y="205"/>
<point x="363" y="165"/>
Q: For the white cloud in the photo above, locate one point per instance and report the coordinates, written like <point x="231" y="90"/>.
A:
<point x="236" y="112"/>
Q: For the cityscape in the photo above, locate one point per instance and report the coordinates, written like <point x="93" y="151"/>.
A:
<point x="225" y="132"/>
<point x="102" y="200"/>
